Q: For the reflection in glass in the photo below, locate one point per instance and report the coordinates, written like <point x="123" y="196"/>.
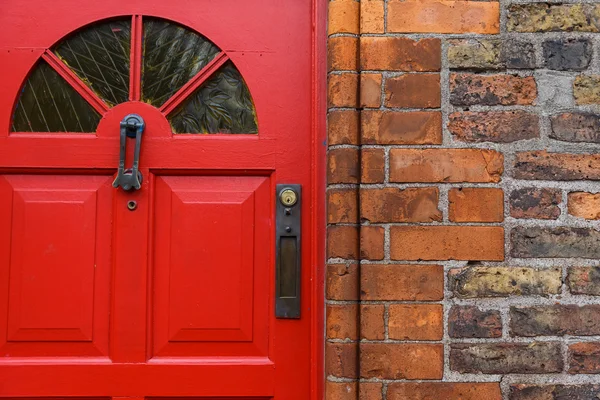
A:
<point x="172" y="56"/>
<point x="99" y="55"/>
<point x="221" y="105"/>
<point x="49" y="104"/>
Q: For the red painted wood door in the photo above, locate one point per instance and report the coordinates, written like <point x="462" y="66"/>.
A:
<point x="166" y="291"/>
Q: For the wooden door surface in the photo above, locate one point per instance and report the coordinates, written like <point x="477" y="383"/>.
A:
<point x="169" y="290"/>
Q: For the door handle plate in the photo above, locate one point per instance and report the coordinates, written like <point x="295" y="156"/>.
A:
<point x="287" y="255"/>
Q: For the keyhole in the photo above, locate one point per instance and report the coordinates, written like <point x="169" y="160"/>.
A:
<point x="132" y="205"/>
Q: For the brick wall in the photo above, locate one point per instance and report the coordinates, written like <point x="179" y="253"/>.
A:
<point x="463" y="200"/>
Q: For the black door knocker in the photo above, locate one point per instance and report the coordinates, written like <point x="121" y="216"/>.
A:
<point x="132" y="126"/>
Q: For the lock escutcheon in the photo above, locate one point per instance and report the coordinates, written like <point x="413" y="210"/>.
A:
<point x="288" y="197"/>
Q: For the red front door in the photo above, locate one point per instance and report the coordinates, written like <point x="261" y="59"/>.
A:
<point x="169" y="290"/>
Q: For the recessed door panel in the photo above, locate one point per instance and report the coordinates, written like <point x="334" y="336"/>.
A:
<point x="55" y="264"/>
<point x="209" y="231"/>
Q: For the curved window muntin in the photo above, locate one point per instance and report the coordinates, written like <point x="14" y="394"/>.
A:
<point x="223" y="107"/>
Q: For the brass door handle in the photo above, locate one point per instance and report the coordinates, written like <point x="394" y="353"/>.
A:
<point x="132" y="126"/>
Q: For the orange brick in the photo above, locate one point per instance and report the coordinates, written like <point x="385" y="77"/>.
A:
<point x="391" y="127"/>
<point x="371" y="391"/>
<point x="400" y="54"/>
<point x="343" y="17"/>
<point x="371" y="242"/>
<point x="400" y="205"/>
<point x="584" y="205"/>
<point x="435" y="16"/>
<point x="443" y="390"/>
<point x="340" y="390"/>
<point x="476" y="205"/>
<point x="402" y="282"/>
<point x="342" y="242"/>
<point x="373" y="165"/>
<point x="340" y="359"/>
<point x="415" y="322"/>
<point x="370" y="90"/>
<point x="342" y="53"/>
<point x="413" y="91"/>
<point x="371" y="322"/>
<point x="342" y="282"/>
<point x="343" y="166"/>
<point x="447" y="243"/>
<point x="401" y="361"/>
<point x="343" y="90"/>
<point x="445" y="165"/>
<point x="343" y="127"/>
<point x="341" y="321"/>
<point x="341" y="206"/>
<point x="371" y="16"/>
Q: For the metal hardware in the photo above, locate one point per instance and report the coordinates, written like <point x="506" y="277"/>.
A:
<point x="288" y="266"/>
<point x="132" y="126"/>
<point x="131" y="205"/>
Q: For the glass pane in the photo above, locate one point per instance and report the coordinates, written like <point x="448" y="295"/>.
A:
<point x="221" y="105"/>
<point x="99" y="55"/>
<point x="49" y="104"/>
<point x="172" y="56"/>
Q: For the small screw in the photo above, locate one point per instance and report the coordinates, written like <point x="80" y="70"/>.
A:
<point x="288" y="211"/>
<point x="288" y="229"/>
<point x="132" y="205"/>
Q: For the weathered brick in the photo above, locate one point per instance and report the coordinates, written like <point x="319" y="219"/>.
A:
<point x="343" y="127"/>
<point x="401" y="361"/>
<point x="415" y="322"/>
<point x="476" y="205"/>
<point x="370" y="391"/>
<point x="555" y="320"/>
<point x="342" y="53"/>
<point x="494" y="126"/>
<point x="479" y="281"/>
<point x="413" y="91"/>
<point x="554" y="392"/>
<point x="342" y="90"/>
<point x="584" y="205"/>
<point x="400" y="54"/>
<point x="372" y="322"/>
<point x="506" y="358"/>
<point x="391" y="127"/>
<point x="556" y="166"/>
<point x="343" y="17"/>
<point x="402" y="282"/>
<point x="400" y="205"/>
<point x="547" y="17"/>
<point x="584" y="358"/>
<point x="586" y="89"/>
<point x="341" y="390"/>
<point x="518" y="54"/>
<point x="447" y="243"/>
<point x="342" y="242"/>
<point x="576" y="127"/>
<point x="371" y="242"/>
<point x="567" y="54"/>
<point x="372" y="166"/>
<point x="584" y="280"/>
<point x="340" y="359"/>
<point x="370" y="90"/>
<point x="471" y="322"/>
<point x="372" y="16"/>
<point x="441" y="16"/>
<point x="342" y="206"/>
<point x="443" y="391"/>
<point x="446" y="165"/>
<point x="342" y="282"/>
<point x="560" y="242"/>
<point x="475" y="54"/>
<point x="538" y="203"/>
<point x="491" y="90"/>
<point x="341" y="321"/>
<point x="343" y="166"/>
